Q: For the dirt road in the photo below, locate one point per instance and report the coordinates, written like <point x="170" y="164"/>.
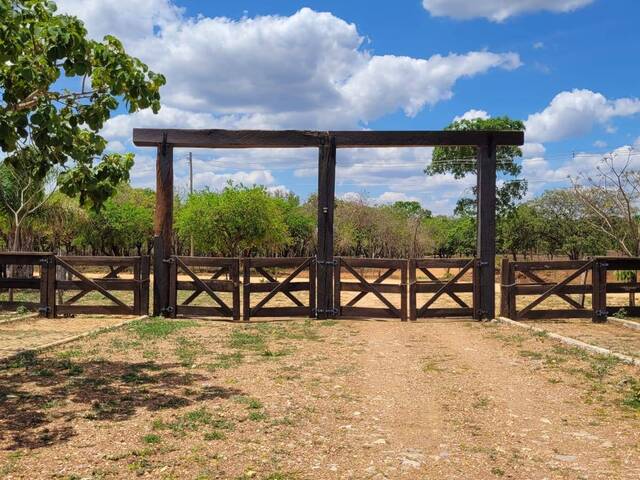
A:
<point x="337" y="400"/>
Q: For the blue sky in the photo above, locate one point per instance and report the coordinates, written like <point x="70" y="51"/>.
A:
<point x="567" y="67"/>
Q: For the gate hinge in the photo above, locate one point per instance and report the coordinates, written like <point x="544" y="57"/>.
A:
<point x="168" y="260"/>
<point x="332" y="311"/>
<point x="166" y="310"/>
<point x="483" y="264"/>
<point x="44" y="310"/>
<point x="602" y="313"/>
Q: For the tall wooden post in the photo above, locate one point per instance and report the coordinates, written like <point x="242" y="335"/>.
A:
<point x="487" y="228"/>
<point x="326" y="198"/>
<point x="163" y="227"/>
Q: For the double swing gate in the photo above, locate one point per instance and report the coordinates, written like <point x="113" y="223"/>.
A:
<point x="242" y="288"/>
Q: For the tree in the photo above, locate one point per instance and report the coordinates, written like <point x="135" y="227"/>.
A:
<point x="565" y="227"/>
<point x="519" y="230"/>
<point x="299" y="223"/>
<point x="54" y="122"/>
<point x="21" y="195"/>
<point x="237" y="221"/>
<point x="611" y="197"/>
<point x="461" y="161"/>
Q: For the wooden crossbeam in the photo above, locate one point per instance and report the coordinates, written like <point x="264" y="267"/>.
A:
<point x="198" y="291"/>
<point x="554" y="289"/>
<point x="198" y="281"/>
<point x="91" y="283"/>
<point x="217" y="138"/>
<point x="371" y="288"/>
<point x="113" y="273"/>
<point x="452" y="295"/>
<point x="380" y="279"/>
<point x="445" y="287"/>
<point x="271" y="278"/>
<point x="280" y="286"/>
<point x="531" y="275"/>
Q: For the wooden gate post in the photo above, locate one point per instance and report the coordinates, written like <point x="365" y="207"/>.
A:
<point x="599" y="292"/>
<point x="163" y="227"/>
<point x="507" y="290"/>
<point x="326" y="199"/>
<point x="486" y="239"/>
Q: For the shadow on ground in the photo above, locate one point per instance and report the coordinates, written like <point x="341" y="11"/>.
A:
<point x="41" y="397"/>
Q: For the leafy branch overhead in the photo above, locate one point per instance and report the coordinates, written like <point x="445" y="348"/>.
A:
<point x="461" y="161"/>
<point x="59" y="87"/>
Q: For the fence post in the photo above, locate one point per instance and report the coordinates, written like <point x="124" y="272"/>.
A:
<point x="475" y="278"/>
<point x="312" y="287"/>
<point x="326" y="200"/>
<point x="235" y="295"/>
<point x="507" y="297"/>
<point x="337" y="287"/>
<point x="137" y="267"/>
<point x="51" y="286"/>
<point x="403" y="291"/>
<point x="145" y="265"/>
<point x="413" y="308"/>
<point x="246" y="289"/>
<point x="599" y="291"/>
<point x="172" y="307"/>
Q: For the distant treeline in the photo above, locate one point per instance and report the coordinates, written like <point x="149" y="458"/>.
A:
<point x="240" y="220"/>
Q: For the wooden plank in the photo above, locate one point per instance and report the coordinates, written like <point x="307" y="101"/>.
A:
<point x="599" y="295"/>
<point x="173" y="289"/>
<point x="215" y="285"/>
<point x="447" y="312"/>
<point x="22" y="258"/>
<point x="199" y="311"/>
<point x="198" y="291"/>
<point x="50" y="266"/>
<point x="552" y="314"/>
<point x="94" y="310"/>
<point x="358" y="262"/>
<point x="358" y="287"/>
<point x="549" y="265"/>
<point x="531" y="275"/>
<point x="246" y="290"/>
<point x="23" y="283"/>
<point x="505" y="288"/>
<point x="435" y="280"/>
<point x="116" y="284"/>
<point x="81" y="260"/>
<point x="337" y="287"/>
<point x="280" y="312"/>
<point x="290" y="287"/>
<point x="621" y="263"/>
<point x="421" y="287"/>
<point x="234" y="273"/>
<point x="326" y="199"/>
<point x="486" y="236"/>
<point x="312" y="287"/>
<point x="266" y="262"/>
<point x="412" y="290"/>
<point x="403" y="292"/>
<point x="207" y="261"/>
<point x="620" y="287"/>
<point x="163" y="225"/>
<point x="217" y="138"/>
<point x="630" y="311"/>
<point x="529" y="289"/>
<point x="370" y="312"/>
<point x="441" y="262"/>
<point x="32" y="306"/>
<point x="144" y="284"/>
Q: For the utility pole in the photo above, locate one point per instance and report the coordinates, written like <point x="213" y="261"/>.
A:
<point x="191" y="250"/>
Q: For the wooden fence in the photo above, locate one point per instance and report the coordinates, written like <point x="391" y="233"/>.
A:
<point x="377" y="288"/>
<point x="73" y="277"/>
<point x="449" y="287"/>
<point x="573" y="282"/>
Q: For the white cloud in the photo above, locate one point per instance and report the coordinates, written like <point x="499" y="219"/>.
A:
<point x="532" y="150"/>
<point x="472" y="115"/>
<point x="575" y="113"/>
<point x="538" y="45"/>
<point x="307" y="70"/>
<point x="600" y="144"/>
<point x="393" y="197"/>
<point x="219" y="180"/>
<point x="498" y="10"/>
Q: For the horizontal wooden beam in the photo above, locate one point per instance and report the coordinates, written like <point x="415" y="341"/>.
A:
<point x="184" y="138"/>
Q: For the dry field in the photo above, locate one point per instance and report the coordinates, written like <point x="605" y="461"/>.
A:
<point x="318" y="399"/>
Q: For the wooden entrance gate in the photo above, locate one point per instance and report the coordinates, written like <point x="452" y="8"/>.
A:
<point x="213" y="286"/>
<point x="451" y="287"/>
<point x="387" y="268"/>
<point x="270" y="285"/>
<point x="574" y="282"/>
<point x="137" y="285"/>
